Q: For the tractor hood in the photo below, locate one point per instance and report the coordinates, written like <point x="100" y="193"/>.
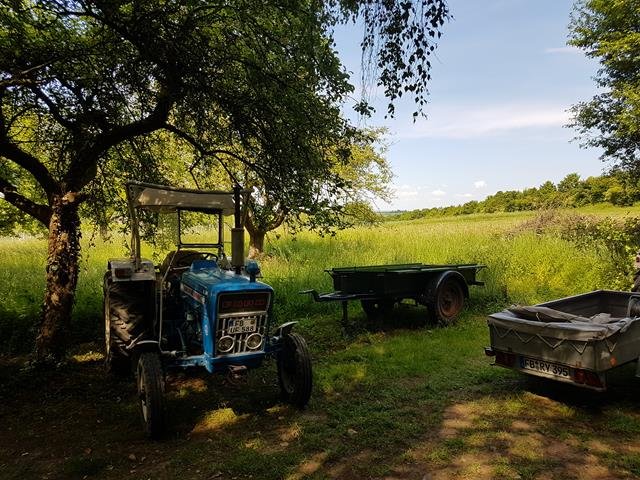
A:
<point x="205" y="284"/>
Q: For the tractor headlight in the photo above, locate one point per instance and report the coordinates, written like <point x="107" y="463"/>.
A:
<point x="225" y="344"/>
<point x="254" y="341"/>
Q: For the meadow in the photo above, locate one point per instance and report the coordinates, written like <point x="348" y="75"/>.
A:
<point x="400" y="400"/>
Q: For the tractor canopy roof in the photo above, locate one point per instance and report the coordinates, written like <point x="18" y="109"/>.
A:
<point x="163" y="199"/>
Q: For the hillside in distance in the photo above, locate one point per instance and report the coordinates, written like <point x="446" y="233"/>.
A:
<point x="616" y="189"/>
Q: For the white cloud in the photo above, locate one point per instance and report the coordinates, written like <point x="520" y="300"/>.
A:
<point x="438" y="193"/>
<point x="480" y="184"/>
<point x="563" y="50"/>
<point x="464" y="195"/>
<point x="483" y="120"/>
<point x="405" y="191"/>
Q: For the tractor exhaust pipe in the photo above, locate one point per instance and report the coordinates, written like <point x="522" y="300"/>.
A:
<point x="237" y="234"/>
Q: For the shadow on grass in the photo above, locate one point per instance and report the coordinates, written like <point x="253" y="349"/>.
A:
<point x="75" y="422"/>
<point x="78" y="422"/>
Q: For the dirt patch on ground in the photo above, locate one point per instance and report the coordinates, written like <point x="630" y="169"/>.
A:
<point x="517" y="437"/>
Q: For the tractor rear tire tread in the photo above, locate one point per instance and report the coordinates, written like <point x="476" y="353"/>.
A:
<point x="115" y="361"/>
<point x="128" y="307"/>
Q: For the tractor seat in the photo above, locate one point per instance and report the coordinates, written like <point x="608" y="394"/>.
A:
<point x="183" y="258"/>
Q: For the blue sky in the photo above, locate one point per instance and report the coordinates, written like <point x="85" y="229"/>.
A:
<point x="502" y="83"/>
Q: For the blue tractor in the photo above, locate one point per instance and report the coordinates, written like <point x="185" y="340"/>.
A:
<point x="196" y="309"/>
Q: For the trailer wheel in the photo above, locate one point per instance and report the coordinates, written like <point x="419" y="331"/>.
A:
<point x="150" y="383"/>
<point x="448" y="303"/>
<point x="377" y="309"/>
<point x="294" y="370"/>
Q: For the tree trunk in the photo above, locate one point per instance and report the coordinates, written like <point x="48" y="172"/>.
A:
<point x="61" y="278"/>
<point x="256" y="243"/>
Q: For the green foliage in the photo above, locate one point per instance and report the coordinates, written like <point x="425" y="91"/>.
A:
<point x="340" y="200"/>
<point x="92" y="94"/>
<point x="610" y="32"/>
<point x="571" y="192"/>
<point x="85" y="85"/>
<point x="619" y="239"/>
<point x="616" y="240"/>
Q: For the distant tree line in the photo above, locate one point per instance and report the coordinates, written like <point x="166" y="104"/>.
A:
<point x="616" y="188"/>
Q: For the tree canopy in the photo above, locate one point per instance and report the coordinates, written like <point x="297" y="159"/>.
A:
<point x="610" y="32"/>
<point x="85" y="85"/>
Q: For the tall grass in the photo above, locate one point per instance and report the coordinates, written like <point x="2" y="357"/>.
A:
<point x="521" y="268"/>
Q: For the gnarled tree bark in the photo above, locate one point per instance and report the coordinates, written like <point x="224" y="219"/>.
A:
<point x="61" y="278"/>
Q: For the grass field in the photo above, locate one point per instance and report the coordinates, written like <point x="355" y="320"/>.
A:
<point x="404" y="400"/>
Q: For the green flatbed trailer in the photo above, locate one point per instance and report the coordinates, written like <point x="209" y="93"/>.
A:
<point x="441" y="288"/>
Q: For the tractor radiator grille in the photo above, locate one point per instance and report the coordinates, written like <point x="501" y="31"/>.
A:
<point x="240" y="339"/>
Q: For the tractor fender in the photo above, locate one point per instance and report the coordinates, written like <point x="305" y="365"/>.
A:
<point x="124" y="270"/>
<point x="432" y="287"/>
<point x="284" y="329"/>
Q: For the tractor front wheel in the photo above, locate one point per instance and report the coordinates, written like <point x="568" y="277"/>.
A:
<point x="294" y="370"/>
<point x="150" y="382"/>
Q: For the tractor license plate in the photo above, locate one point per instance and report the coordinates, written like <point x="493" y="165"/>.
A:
<point x="242" y="325"/>
<point x="547" y="368"/>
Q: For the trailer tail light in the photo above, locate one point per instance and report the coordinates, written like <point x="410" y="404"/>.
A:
<point x="587" y="377"/>
<point x="505" y="359"/>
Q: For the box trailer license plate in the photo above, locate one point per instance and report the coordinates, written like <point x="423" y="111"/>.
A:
<point x="242" y="325"/>
<point x="547" y="368"/>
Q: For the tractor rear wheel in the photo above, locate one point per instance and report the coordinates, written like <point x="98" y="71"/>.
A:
<point x="150" y="383"/>
<point x="116" y="362"/>
<point x="128" y="313"/>
<point x="294" y="370"/>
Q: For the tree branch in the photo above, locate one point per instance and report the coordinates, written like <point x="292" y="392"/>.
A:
<point x="30" y="163"/>
<point x="35" y="210"/>
<point x="54" y="110"/>
<point x="211" y="153"/>
<point x="154" y="121"/>
<point x="83" y="167"/>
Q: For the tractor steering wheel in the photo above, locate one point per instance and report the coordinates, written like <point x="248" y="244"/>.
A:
<point x="210" y="256"/>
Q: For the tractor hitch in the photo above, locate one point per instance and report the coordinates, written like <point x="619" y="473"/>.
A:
<point x="237" y="374"/>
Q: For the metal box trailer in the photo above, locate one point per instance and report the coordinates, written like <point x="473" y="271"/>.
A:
<point x="575" y="339"/>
